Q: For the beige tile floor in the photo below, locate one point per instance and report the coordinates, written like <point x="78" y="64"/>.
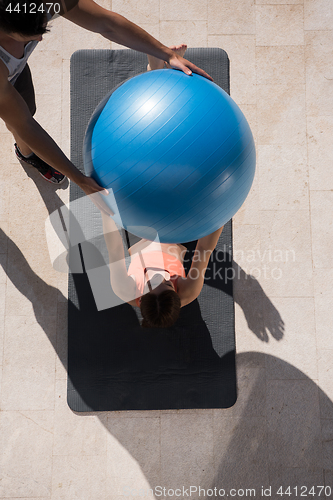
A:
<point x="280" y="431"/>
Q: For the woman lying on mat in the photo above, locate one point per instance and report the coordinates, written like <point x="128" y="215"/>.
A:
<point x="155" y="280"/>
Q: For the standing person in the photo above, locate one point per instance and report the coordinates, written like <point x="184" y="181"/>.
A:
<point x="22" y="26"/>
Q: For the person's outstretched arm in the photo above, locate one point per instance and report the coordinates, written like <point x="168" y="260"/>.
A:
<point x="192" y="285"/>
<point x="15" y="113"/>
<point x="114" y="27"/>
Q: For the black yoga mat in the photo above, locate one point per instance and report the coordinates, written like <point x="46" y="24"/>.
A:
<point x="114" y="363"/>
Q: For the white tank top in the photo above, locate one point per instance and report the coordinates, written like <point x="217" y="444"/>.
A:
<point x="15" y="66"/>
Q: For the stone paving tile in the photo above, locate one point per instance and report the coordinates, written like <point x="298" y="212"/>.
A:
<point x="185" y="438"/>
<point x="287" y="192"/>
<point x="319" y="73"/>
<point x="327" y="435"/>
<point x="241" y="50"/>
<point x="288" y="67"/>
<point x="320" y="154"/>
<point x="279" y="25"/>
<point x="241" y="454"/>
<point x="193" y="33"/>
<point x="225" y="17"/>
<point x="325" y="371"/>
<point x="297" y="481"/>
<point x="28" y="363"/>
<point x="293" y="424"/>
<point x="281" y="115"/>
<point x="75" y="434"/>
<point x="26" y="440"/>
<point x="323" y="289"/>
<point x="318" y="15"/>
<point x="322" y="228"/>
<point x="134" y="451"/>
<point x="146" y="11"/>
<point x="82" y="477"/>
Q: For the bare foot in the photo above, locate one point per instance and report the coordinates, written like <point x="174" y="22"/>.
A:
<point x="155" y="63"/>
<point x="179" y="49"/>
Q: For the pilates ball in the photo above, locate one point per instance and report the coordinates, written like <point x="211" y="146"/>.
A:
<point x="177" y="152"/>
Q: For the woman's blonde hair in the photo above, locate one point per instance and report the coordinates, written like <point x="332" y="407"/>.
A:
<point x="160" y="311"/>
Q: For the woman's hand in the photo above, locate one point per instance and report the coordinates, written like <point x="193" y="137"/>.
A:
<point x="94" y="191"/>
<point x="178" y="62"/>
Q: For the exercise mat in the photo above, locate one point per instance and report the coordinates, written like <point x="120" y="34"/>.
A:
<point x="114" y="363"/>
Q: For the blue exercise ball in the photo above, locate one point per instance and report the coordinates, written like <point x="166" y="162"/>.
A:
<point x="177" y="152"/>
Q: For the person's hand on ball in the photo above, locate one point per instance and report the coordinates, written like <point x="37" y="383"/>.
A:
<point x="94" y="191"/>
<point x="178" y="62"/>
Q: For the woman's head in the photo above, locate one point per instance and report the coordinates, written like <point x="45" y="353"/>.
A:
<point x="160" y="308"/>
<point x="24" y="22"/>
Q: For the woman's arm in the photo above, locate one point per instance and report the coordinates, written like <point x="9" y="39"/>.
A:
<point x="91" y="16"/>
<point x="209" y="242"/>
<point x="15" y="113"/>
<point x="122" y="284"/>
<point x="191" y="286"/>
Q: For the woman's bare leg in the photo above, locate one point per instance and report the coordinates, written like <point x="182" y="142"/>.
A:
<point x="23" y="147"/>
<point x="155" y="63"/>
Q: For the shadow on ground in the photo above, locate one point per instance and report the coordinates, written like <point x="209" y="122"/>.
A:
<point x="278" y="434"/>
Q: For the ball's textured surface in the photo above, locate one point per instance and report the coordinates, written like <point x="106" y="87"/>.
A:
<point x="177" y="152"/>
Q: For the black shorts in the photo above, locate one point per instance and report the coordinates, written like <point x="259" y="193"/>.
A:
<point x="25" y="87"/>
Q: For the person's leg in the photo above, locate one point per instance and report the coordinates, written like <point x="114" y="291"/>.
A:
<point x="23" y="147"/>
<point x="25" y="87"/>
<point x="155" y="63"/>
